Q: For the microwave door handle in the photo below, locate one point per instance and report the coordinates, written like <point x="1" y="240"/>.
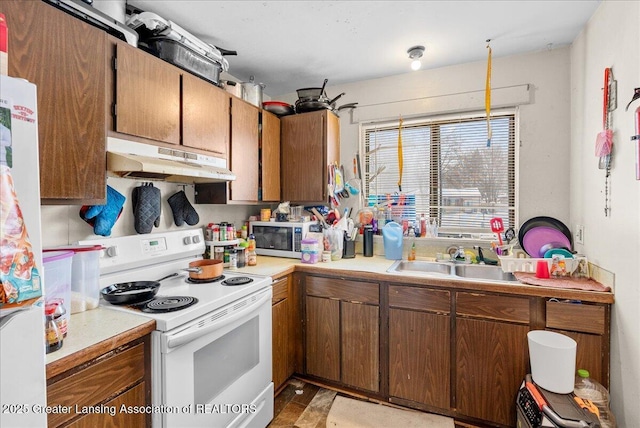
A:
<point x="195" y="332"/>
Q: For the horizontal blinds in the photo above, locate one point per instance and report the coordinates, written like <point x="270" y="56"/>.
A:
<point x="449" y="172"/>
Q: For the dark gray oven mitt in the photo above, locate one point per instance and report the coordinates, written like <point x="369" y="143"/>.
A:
<point x="146" y="207"/>
<point x="183" y="211"/>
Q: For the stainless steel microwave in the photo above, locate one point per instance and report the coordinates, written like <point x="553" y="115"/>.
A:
<point x="281" y="239"/>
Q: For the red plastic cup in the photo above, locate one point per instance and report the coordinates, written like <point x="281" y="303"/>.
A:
<point x="542" y="269"/>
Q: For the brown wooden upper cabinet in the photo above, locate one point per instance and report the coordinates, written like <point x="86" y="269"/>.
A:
<point x="310" y="142"/>
<point x="147" y="96"/>
<point x="205" y="111"/>
<point x="65" y="58"/>
<point x="244" y="151"/>
<point x="157" y="101"/>
<point x="270" y="157"/>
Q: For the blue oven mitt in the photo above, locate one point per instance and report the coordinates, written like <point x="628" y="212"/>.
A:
<point x="103" y="217"/>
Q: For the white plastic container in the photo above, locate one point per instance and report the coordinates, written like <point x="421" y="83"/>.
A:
<point x="553" y="360"/>
<point x="57" y="279"/>
<point x="85" y="278"/>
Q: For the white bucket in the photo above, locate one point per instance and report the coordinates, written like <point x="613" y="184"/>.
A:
<point x="553" y="360"/>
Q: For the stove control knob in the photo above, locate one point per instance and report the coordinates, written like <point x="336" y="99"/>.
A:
<point x="112" y="251"/>
<point x="186" y="240"/>
<point x="196" y="239"/>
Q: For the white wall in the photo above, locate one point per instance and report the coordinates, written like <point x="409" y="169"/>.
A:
<point x="610" y="39"/>
<point x="544" y="122"/>
<point x="62" y="225"/>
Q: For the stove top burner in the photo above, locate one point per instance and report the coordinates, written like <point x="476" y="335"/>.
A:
<point x="238" y="280"/>
<point x="168" y="304"/>
<point x="204" y="281"/>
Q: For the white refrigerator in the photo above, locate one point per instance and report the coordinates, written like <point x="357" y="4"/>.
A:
<point x="22" y="340"/>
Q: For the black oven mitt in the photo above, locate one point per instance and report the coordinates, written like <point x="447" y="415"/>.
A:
<point x="146" y="207"/>
<point x="182" y="210"/>
<point x="103" y="217"/>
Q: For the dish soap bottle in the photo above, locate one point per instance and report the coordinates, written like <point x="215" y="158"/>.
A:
<point x="412" y="252"/>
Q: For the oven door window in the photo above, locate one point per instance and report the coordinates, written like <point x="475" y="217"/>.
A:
<point x="274" y="237"/>
<point x="235" y="354"/>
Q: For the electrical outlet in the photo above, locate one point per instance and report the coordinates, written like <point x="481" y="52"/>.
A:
<point x="579" y="234"/>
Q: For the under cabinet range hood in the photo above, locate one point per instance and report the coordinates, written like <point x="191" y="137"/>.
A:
<point x="138" y="160"/>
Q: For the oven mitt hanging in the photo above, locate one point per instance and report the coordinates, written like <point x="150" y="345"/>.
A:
<point x="103" y="217"/>
<point x="182" y="210"/>
<point x="146" y="207"/>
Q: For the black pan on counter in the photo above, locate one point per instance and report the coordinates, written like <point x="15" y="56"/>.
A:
<point x="130" y="293"/>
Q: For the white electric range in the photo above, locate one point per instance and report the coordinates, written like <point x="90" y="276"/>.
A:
<point x="211" y="359"/>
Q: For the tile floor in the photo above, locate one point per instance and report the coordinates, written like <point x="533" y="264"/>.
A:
<point x="303" y="405"/>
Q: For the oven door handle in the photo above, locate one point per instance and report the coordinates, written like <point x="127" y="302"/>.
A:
<point x="195" y="332"/>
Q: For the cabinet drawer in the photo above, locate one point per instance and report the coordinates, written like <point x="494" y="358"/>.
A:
<point x="280" y="290"/>
<point x="576" y="317"/>
<point x="422" y="299"/>
<point x="504" y="308"/>
<point x="96" y="383"/>
<point x="343" y="289"/>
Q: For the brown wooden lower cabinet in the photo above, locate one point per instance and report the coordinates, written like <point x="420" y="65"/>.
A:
<point x="457" y="352"/>
<point x="491" y="363"/>
<point x="419" y="357"/>
<point x="283" y="330"/>
<point x="342" y="326"/>
<point x="116" y="378"/>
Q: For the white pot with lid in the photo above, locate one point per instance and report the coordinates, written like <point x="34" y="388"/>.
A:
<point x="252" y="92"/>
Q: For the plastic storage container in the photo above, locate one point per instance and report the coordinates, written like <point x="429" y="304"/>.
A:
<point x="310" y="251"/>
<point x="57" y="280"/>
<point x="392" y="236"/>
<point x="589" y="389"/>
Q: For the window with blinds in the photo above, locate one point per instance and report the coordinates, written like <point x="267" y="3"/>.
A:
<point x="449" y="172"/>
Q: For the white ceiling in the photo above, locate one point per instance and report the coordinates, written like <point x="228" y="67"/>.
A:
<point x="294" y="44"/>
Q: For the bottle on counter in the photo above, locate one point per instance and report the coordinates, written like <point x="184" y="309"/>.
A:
<point x="252" y="257"/>
<point x="242" y="254"/>
<point x="412" y="252"/>
<point x="423" y="226"/>
<point x="367" y="238"/>
<point x="243" y="232"/>
<point x="233" y="259"/>
<point x="223" y="231"/>
<point x="53" y="336"/>
<point x="589" y="389"/>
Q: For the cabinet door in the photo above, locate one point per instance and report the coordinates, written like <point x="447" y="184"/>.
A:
<point x="205" y="116"/>
<point x="419" y="357"/>
<point x="280" y="327"/>
<point x="270" y="157"/>
<point x="133" y="397"/>
<point x="491" y="362"/>
<point x="323" y="337"/>
<point x="66" y="59"/>
<point x="310" y="142"/>
<point x="244" y="151"/>
<point x="147" y="96"/>
<point x="360" y="345"/>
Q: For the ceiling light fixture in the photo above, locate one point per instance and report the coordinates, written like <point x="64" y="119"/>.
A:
<point x="415" y="53"/>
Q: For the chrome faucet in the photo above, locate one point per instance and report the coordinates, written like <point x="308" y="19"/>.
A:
<point x="458" y="254"/>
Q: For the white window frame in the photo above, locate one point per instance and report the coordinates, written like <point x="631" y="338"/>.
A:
<point x="515" y="111"/>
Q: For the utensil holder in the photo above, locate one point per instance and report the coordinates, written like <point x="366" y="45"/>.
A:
<point x="349" y="249"/>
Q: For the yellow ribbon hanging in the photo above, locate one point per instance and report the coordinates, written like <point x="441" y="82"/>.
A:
<point x="487" y="96"/>
<point x="400" y="157"/>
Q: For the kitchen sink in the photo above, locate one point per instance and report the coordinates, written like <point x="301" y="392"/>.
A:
<point x="404" y="266"/>
<point x="483" y="272"/>
<point x="452" y="270"/>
